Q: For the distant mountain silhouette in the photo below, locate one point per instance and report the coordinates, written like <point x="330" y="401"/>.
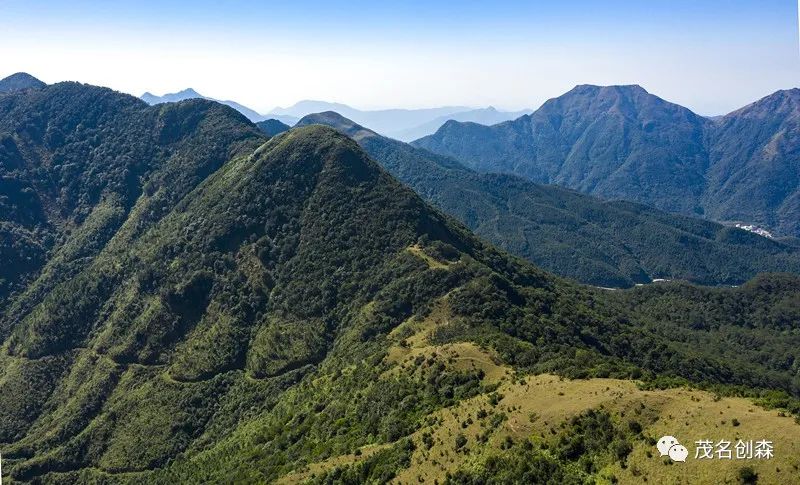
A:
<point x="388" y="122"/>
<point x="621" y="142"/>
<point x="403" y="124"/>
<point x="483" y="116"/>
<point x="19" y="81"/>
<point x="190" y="93"/>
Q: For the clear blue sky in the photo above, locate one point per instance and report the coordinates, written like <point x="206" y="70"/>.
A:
<point x="710" y="55"/>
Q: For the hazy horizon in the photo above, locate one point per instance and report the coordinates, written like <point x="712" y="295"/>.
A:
<point x="712" y="58"/>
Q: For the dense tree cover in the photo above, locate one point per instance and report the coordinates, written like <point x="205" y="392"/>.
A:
<point x="74" y="160"/>
<point x="620" y="142"/>
<point x="610" y="244"/>
<point x="272" y="127"/>
<point x="218" y="306"/>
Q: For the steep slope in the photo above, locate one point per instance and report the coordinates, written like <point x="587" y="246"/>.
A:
<point x="755" y="165"/>
<point x="242" y="306"/>
<point x="607" y="244"/>
<point x="74" y="159"/>
<point x="621" y="142"/>
<point x="615" y="142"/>
<point x="19" y="81"/>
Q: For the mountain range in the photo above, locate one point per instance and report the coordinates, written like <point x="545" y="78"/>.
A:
<point x="190" y="93"/>
<point x="195" y="301"/>
<point x="403" y="124"/>
<point x="483" y="116"/>
<point x="604" y="243"/>
<point x="621" y="142"/>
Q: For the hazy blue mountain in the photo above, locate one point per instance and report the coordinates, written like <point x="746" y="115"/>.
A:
<point x="621" y="142"/>
<point x="18" y="81"/>
<point x="389" y="122"/>
<point x="572" y="234"/>
<point x="190" y="93"/>
<point x="483" y="116"/>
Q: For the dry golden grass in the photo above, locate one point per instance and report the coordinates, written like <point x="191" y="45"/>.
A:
<point x="535" y="406"/>
<point x="694" y="415"/>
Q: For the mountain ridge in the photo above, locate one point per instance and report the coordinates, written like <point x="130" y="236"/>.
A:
<point x="227" y="306"/>
<point x="398" y="123"/>
<point x="620" y="142"/>
<point x="608" y="244"/>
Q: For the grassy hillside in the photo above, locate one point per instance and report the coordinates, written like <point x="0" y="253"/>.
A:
<point x="222" y="307"/>
<point x="609" y="244"/>
<point x="548" y="429"/>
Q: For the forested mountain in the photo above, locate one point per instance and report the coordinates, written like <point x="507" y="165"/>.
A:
<point x="18" y="81"/>
<point x="620" y="142"/>
<point x="594" y="241"/>
<point x="208" y="304"/>
<point x="272" y="127"/>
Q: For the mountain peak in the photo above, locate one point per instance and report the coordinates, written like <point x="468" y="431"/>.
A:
<point x="330" y="118"/>
<point x="614" y="87"/>
<point x="598" y="90"/>
<point x="308" y="106"/>
<point x="784" y="103"/>
<point x="272" y="127"/>
<point x="338" y="122"/>
<point x="633" y="102"/>
<point x="189" y="92"/>
<point x="19" y="81"/>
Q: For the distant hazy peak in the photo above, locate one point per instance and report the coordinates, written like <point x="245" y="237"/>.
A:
<point x="18" y="81"/>
<point x="190" y="93"/>
<point x="310" y="105"/>
<point x="187" y="93"/>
